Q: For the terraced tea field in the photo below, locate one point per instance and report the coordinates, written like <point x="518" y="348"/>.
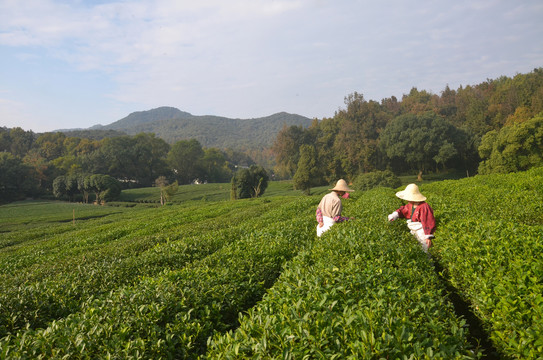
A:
<point x="249" y="279"/>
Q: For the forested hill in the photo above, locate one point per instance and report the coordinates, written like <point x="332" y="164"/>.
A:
<point x="172" y="125"/>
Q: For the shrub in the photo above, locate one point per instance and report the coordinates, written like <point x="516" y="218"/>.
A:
<point x="249" y="183"/>
<point x="375" y="179"/>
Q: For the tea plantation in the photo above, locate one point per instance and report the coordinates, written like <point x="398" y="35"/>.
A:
<point x="250" y="279"/>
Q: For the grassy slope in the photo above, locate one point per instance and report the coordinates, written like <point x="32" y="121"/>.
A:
<point x="210" y="192"/>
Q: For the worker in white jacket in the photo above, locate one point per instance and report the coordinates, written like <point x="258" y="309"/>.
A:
<point x="330" y="208"/>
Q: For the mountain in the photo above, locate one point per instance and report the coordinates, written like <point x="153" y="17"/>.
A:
<point x="145" y="117"/>
<point x="172" y="125"/>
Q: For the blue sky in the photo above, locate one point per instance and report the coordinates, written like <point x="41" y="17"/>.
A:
<point x="74" y="64"/>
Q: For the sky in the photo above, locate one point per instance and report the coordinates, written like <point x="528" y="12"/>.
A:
<point x="67" y="64"/>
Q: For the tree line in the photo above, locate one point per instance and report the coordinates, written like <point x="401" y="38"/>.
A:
<point x="495" y="126"/>
<point x="30" y="163"/>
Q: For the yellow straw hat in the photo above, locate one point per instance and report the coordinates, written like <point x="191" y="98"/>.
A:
<point x="411" y="193"/>
<point x="341" y="185"/>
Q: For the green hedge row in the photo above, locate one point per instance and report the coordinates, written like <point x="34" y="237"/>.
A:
<point x="50" y="279"/>
<point x="172" y="314"/>
<point x="365" y="290"/>
<point x="490" y="241"/>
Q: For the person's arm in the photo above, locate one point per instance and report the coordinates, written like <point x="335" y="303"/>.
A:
<point x="428" y="221"/>
<point x="318" y="215"/>
<point x="340" y="218"/>
<point x="399" y="213"/>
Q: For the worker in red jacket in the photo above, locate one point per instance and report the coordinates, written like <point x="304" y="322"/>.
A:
<point x="419" y="215"/>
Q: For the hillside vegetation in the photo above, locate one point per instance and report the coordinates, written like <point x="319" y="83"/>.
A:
<point x="172" y="125"/>
<point x="146" y="282"/>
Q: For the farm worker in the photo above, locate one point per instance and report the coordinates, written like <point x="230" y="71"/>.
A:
<point x="421" y="221"/>
<point x="329" y="209"/>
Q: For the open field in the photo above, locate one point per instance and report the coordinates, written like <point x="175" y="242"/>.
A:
<point x="249" y="278"/>
<point x="209" y="192"/>
<point x="220" y="192"/>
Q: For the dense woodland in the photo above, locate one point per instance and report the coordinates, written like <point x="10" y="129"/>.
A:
<point x="495" y="126"/>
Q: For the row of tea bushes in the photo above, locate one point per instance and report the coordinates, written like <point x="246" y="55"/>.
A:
<point x="490" y="241"/>
<point x="365" y="290"/>
<point x="172" y="314"/>
<point x="50" y="279"/>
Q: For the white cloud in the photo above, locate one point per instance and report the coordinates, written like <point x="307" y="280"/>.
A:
<point x="246" y="58"/>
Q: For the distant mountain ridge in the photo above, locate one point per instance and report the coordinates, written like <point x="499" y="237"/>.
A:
<point x="172" y="124"/>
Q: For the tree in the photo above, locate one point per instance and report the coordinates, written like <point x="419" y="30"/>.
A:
<point x="151" y="153"/>
<point x="214" y="166"/>
<point x="307" y="172"/>
<point x="446" y="152"/>
<point x="287" y="149"/>
<point x="167" y="190"/>
<point x="51" y="145"/>
<point x="20" y="141"/>
<point x="105" y="187"/>
<point x="417" y="102"/>
<point x="517" y="147"/>
<point x="325" y="133"/>
<point x="71" y="187"/>
<point x="44" y="171"/>
<point x="59" y="186"/>
<point x="249" y="183"/>
<point x="185" y="158"/>
<point x="420" y="141"/>
<point x="16" y="178"/>
<point x="84" y="186"/>
<point x="5" y="141"/>
<point x="375" y="179"/>
<point x="121" y="158"/>
<point x="356" y="141"/>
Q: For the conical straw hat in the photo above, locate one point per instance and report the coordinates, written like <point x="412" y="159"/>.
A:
<point x="411" y="193"/>
<point x="341" y="185"/>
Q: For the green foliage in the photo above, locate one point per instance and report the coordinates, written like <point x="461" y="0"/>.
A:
<point x="491" y="253"/>
<point x="139" y="159"/>
<point x="287" y="149"/>
<point x="361" y="138"/>
<point x="185" y="159"/>
<point x="93" y="134"/>
<point x="105" y="187"/>
<point x="420" y="141"/>
<point x="307" y="173"/>
<point x="249" y="183"/>
<point x="50" y="145"/>
<point x="422" y="131"/>
<point x="513" y="148"/>
<point x="169" y="191"/>
<point x="174" y="125"/>
<point x="375" y="179"/>
<point x="59" y="186"/>
<point x="16" y="141"/>
<point x="365" y="291"/>
<point x="15" y="178"/>
<point x="151" y="291"/>
<point x="108" y="188"/>
<point x="215" y="166"/>
<point x="171" y="282"/>
<point x="355" y="144"/>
